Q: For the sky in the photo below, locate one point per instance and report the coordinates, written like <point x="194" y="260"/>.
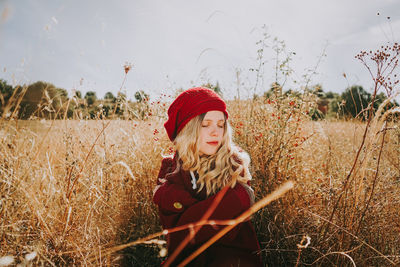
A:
<point x="172" y="44"/>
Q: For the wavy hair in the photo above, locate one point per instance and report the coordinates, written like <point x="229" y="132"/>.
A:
<point x="227" y="166"/>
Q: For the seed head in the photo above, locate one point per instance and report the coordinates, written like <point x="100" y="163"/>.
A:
<point x="127" y="67"/>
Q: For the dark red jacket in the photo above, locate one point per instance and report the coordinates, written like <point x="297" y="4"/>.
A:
<point x="180" y="204"/>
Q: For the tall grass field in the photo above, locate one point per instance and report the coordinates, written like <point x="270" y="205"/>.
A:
<point x="74" y="191"/>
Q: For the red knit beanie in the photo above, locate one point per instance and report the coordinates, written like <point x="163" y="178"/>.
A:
<point x="189" y="104"/>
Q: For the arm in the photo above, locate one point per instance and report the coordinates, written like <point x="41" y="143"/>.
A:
<point x="234" y="203"/>
<point x="172" y="199"/>
<point x="167" y="166"/>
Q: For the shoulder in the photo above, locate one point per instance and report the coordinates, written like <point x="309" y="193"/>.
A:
<point x="168" y="165"/>
<point x="167" y="162"/>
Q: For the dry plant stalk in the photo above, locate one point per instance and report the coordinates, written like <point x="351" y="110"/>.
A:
<point x="193" y="232"/>
<point x="384" y="62"/>
<point x="253" y="209"/>
<point x="230" y="224"/>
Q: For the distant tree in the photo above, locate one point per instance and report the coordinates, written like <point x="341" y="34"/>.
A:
<point x="379" y="98"/>
<point x="32" y="98"/>
<point x="331" y="95"/>
<point x="6" y="92"/>
<point x="109" y="104"/>
<point x="62" y="93"/>
<point x="355" y="101"/>
<point x="122" y="97"/>
<point x="140" y="96"/>
<point x="335" y="105"/>
<point x="90" y="97"/>
<point x="110" y="97"/>
<point x="216" y="88"/>
<point x="318" y="90"/>
<point x="42" y="99"/>
<point x="292" y="93"/>
<point x="275" y="90"/>
<point x="78" y="94"/>
<point x="59" y="96"/>
<point x="121" y="103"/>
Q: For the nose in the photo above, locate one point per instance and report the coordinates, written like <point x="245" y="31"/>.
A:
<point x="214" y="131"/>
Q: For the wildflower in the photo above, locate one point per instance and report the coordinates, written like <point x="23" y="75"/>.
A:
<point x="127" y="67"/>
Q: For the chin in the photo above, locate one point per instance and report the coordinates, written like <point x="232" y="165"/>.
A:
<point x="207" y="153"/>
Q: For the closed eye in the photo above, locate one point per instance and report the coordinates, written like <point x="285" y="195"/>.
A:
<point x="207" y="123"/>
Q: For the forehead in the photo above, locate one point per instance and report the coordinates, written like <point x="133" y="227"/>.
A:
<point x="214" y="115"/>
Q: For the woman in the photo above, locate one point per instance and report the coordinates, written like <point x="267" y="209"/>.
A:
<point x="205" y="162"/>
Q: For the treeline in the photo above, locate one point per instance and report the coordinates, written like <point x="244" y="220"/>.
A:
<point x="45" y="100"/>
<point x="352" y="103"/>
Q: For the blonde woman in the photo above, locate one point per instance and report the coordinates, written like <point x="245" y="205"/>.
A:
<point x="206" y="161"/>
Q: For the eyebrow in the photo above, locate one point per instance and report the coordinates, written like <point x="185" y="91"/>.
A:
<point x="212" y="120"/>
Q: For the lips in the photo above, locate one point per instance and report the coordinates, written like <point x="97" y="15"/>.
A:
<point x="213" y="143"/>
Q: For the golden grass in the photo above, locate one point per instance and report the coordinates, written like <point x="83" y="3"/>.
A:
<point x="71" y="190"/>
<point x="41" y="209"/>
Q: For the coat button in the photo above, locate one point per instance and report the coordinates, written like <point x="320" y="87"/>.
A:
<point x="178" y="205"/>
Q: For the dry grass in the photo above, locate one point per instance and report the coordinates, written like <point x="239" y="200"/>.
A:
<point x="65" y="196"/>
<point x="71" y="189"/>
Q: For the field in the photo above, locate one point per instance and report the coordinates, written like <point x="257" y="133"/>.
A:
<point x="73" y="191"/>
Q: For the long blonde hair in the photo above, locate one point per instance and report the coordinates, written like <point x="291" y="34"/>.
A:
<point x="227" y="166"/>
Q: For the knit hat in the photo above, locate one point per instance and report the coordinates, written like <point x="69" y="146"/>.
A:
<point x="189" y="104"/>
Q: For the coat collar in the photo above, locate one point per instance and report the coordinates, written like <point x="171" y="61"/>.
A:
<point x="184" y="178"/>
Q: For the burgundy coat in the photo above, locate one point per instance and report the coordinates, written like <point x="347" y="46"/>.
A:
<point x="180" y="204"/>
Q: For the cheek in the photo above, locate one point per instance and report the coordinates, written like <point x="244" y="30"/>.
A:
<point x="202" y="135"/>
<point x="221" y="132"/>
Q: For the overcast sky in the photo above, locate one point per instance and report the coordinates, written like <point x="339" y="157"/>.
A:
<point x="174" y="44"/>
